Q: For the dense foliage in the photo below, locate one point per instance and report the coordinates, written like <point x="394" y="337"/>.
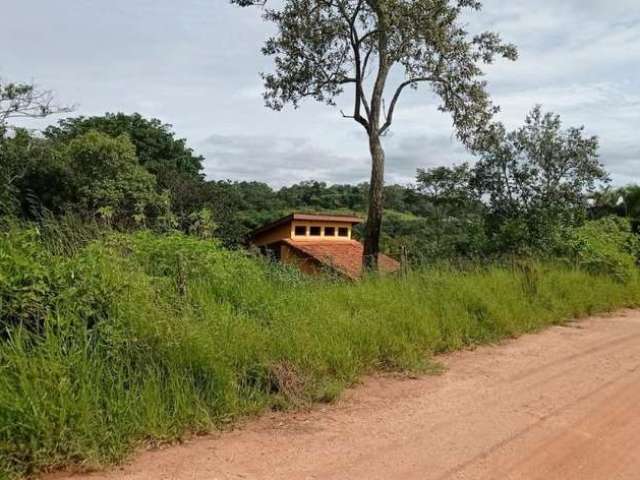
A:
<point x="157" y="149"/>
<point x="19" y="100"/>
<point x="527" y="185"/>
<point x="622" y="202"/>
<point x="606" y="246"/>
<point x="526" y="188"/>
<point x="143" y="337"/>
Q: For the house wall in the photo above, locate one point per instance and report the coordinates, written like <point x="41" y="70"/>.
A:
<point x="287" y="230"/>
<point x="279" y="233"/>
<point x="322" y="237"/>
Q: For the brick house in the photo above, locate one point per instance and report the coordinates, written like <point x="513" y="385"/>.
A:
<point x="317" y="243"/>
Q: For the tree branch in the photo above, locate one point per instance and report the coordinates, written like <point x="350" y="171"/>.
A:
<point x="25" y="101"/>
<point x="355" y="42"/>
<point x="367" y="35"/>
<point x="365" y="63"/>
<point x="396" y="96"/>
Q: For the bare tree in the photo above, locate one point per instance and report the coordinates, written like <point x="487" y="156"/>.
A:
<point x="22" y="100"/>
<point x="324" y="46"/>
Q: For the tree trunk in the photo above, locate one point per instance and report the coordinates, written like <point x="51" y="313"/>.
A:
<point x="376" y="185"/>
<point x="374" y="216"/>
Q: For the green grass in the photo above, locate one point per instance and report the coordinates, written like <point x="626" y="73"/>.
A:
<point x="145" y="338"/>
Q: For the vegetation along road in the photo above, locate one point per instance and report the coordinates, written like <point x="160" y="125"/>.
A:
<point x="563" y="404"/>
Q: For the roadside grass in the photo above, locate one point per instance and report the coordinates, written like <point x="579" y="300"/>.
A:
<point x="142" y="338"/>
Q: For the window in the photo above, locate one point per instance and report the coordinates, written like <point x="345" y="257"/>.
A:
<point x="329" y="231"/>
<point x="314" y="231"/>
<point x="301" y="230"/>
<point x="343" y="232"/>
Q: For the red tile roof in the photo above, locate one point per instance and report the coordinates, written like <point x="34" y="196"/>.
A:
<point x="345" y="256"/>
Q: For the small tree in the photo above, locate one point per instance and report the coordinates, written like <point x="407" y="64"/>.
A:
<point x="537" y="178"/>
<point x="108" y="181"/>
<point x="324" y="46"/>
<point x="532" y="181"/>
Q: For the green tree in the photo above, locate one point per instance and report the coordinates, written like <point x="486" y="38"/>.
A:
<point x="623" y="202"/>
<point x="532" y="181"/>
<point x="455" y="215"/>
<point x="235" y="207"/>
<point x="157" y="148"/>
<point x="538" y="178"/>
<point x="319" y="196"/>
<point x="607" y="201"/>
<point x="449" y="186"/>
<point x="631" y="201"/>
<point x="108" y="181"/>
<point x="19" y="100"/>
<point x="39" y="176"/>
<point x="15" y="159"/>
<point x="435" y="237"/>
<point x="322" y="47"/>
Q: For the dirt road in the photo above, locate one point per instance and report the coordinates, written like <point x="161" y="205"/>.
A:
<point x="563" y="404"/>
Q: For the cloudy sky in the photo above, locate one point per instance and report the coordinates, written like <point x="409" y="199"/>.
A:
<point x="195" y="64"/>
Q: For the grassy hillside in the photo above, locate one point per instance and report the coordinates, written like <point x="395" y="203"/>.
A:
<point x="144" y="338"/>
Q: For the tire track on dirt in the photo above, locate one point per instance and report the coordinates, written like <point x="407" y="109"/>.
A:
<point x="631" y="404"/>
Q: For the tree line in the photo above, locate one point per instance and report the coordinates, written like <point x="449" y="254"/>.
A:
<point x="521" y="196"/>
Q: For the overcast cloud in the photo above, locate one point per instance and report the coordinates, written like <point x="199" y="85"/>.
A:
<point x="195" y="64"/>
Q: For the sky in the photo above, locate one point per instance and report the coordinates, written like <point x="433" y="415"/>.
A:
<point x="195" y="64"/>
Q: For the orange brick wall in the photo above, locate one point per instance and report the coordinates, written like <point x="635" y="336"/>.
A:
<point x="279" y="233"/>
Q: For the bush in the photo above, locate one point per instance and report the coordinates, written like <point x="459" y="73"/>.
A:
<point x="27" y="277"/>
<point x="606" y="246"/>
<point x="145" y="338"/>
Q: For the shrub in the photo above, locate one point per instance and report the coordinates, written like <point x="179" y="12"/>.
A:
<point x="606" y="246"/>
<point x="26" y="279"/>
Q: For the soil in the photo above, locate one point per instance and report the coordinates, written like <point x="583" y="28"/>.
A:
<point x="561" y="404"/>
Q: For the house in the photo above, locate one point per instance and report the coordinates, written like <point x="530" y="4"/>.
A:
<point x="317" y="243"/>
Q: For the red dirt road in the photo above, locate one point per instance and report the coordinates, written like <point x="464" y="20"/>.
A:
<point x="563" y="404"/>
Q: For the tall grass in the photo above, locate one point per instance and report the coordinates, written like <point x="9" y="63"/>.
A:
<point x="144" y="338"/>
